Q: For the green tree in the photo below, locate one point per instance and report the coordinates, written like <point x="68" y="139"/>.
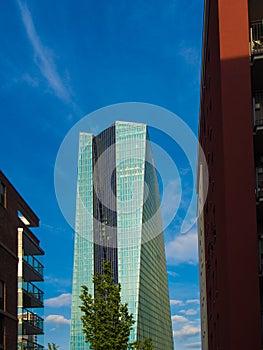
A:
<point x="52" y="346"/>
<point x="146" y="345"/>
<point x="106" y="321"/>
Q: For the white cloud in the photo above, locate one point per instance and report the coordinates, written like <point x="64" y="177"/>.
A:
<point x="190" y="312"/>
<point x="59" y="282"/>
<point x="186" y="331"/>
<point x="183" y="249"/>
<point x="62" y="300"/>
<point x="171" y="198"/>
<point x="43" y="56"/>
<point x="192" y="301"/>
<point x="30" y="80"/>
<point x="58" y="320"/>
<point x="193" y="345"/>
<point x="190" y="54"/>
<point x="176" y="302"/>
<point x="179" y="319"/>
<point x="95" y="129"/>
<point x="172" y="273"/>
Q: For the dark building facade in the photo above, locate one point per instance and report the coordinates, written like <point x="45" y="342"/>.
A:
<point x="18" y="266"/>
<point x="231" y="135"/>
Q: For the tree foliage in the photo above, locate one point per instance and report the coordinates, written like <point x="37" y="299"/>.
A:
<point x="52" y="346"/>
<point x="146" y="345"/>
<point x="106" y="321"/>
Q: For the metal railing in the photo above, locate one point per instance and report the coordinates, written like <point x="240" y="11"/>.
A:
<point x="256" y="37"/>
<point x="33" y="319"/>
<point x="34" y="291"/>
<point x="34" y="263"/>
<point x="259" y="182"/>
<point x="28" y="345"/>
<point x="258" y="108"/>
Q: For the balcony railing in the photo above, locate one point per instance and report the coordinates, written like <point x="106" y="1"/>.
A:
<point x="256" y="37"/>
<point x="34" y="291"/>
<point x="258" y="108"/>
<point x="33" y="320"/>
<point x="259" y="183"/>
<point x="28" y="345"/>
<point x="34" y="263"/>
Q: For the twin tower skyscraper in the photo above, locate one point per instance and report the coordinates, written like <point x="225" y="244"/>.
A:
<point x="118" y="219"/>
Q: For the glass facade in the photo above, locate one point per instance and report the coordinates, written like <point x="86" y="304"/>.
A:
<point x="83" y="247"/>
<point x="117" y="219"/>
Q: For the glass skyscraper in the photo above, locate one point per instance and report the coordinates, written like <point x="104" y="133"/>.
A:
<point x="118" y="219"/>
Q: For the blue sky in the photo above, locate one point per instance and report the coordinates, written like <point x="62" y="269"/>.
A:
<point x="63" y="60"/>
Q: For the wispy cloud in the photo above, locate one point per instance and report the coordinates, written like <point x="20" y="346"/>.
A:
<point x="186" y="331"/>
<point x="58" y="320"/>
<point x="172" y="273"/>
<point x="183" y="249"/>
<point x="190" y="54"/>
<point x="171" y="200"/>
<point x="30" y="80"/>
<point x="58" y="282"/>
<point x="53" y="228"/>
<point x="176" y="302"/>
<point x="179" y="319"/>
<point x="196" y="345"/>
<point x="192" y="301"/>
<point x="190" y="312"/>
<point x="61" y="300"/>
<point x="42" y="56"/>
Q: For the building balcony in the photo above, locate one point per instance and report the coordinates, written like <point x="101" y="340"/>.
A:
<point x="25" y="344"/>
<point x="30" y="243"/>
<point x="258" y="120"/>
<point x="256" y="38"/>
<point x="32" y="269"/>
<point x="258" y="109"/>
<point x="259" y="183"/>
<point x="30" y="323"/>
<point x="33" y="297"/>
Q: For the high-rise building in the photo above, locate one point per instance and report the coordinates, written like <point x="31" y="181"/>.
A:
<point x="231" y="135"/>
<point x="19" y="297"/>
<point x="118" y="219"/>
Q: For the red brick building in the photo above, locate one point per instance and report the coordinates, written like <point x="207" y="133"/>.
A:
<point x="231" y="135"/>
<point x="16" y="218"/>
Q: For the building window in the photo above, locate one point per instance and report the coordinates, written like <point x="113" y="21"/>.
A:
<point x="2" y="194"/>
<point x="2" y="295"/>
